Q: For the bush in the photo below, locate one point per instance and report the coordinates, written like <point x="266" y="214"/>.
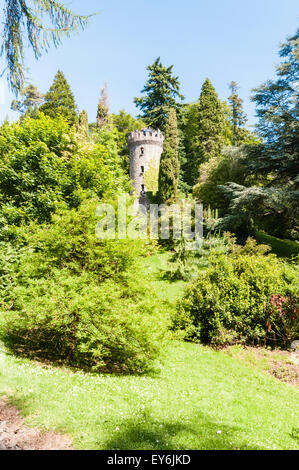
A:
<point x="180" y="262"/>
<point x="44" y="165"/>
<point x="71" y="298"/>
<point x="70" y="241"/>
<point x="216" y="172"/>
<point x="230" y="302"/>
<point x="76" y="321"/>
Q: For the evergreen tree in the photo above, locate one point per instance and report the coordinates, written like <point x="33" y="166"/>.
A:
<point x="169" y="171"/>
<point x="161" y="92"/>
<point x="31" y="98"/>
<point x="273" y="205"/>
<point x="277" y="108"/>
<point x="36" y="23"/>
<point x="83" y="123"/>
<point x="204" y="129"/>
<point x="184" y="187"/>
<point x="238" y="117"/>
<point x="211" y="122"/>
<point x="190" y="129"/>
<point x="60" y="100"/>
<point x="103" y="108"/>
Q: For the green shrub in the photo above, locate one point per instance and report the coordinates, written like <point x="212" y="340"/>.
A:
<point x="75" y="320"/>
<point x="44" y="165"/>
<point x="213" y="244"/>
<point x="70" y="241"/>
<point x="180" y="262"/>
<point x="69" y="297"/>
<point x="230" y="301"/>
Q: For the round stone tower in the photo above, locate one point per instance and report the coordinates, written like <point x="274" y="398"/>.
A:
<point x="146" y="147"/>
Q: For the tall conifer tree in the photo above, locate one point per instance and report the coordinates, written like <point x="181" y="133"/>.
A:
<point x="103" y="107"/>
<point x="204" y="130"/>
<point x="211" y="122"/>
<point x="170" y="166"/>
<point x="238" y="117"/>
<point x="60" y="100"/>
<point x="161" y="92"/>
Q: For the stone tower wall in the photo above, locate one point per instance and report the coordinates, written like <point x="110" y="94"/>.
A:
<point x="146" y="147"/>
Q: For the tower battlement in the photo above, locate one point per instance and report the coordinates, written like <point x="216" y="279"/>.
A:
<point x="146" y="135"/>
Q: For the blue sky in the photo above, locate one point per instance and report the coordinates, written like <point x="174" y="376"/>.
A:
<point x="223" y="40"/>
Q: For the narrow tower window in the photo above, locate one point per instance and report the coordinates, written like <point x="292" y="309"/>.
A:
<point x="141" y="151"/>
<point x="142" y="187"/>
<point x="142" y="169"/>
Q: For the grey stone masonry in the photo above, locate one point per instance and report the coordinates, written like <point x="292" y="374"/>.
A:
<point x="146" y="147"/>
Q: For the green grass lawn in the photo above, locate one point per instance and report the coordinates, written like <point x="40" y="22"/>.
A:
<point x="168" y="291"/>
<point x="198" y="399"/>
<point x="282" y="248"/>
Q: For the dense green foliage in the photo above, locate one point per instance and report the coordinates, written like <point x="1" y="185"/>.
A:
<point x="161" y="93"/>
<point x="69" y="297"/>
<point x="65" y="295"/>
<point x="169" y="171"/>
<point x="209" y="127"/>
<point x="232" y="301"/>
<point x="60" y="100"/>
<point x="204" y="131"/>
<point x="273" y="205"/>
<point x="219" y="171"/>
<point x="44" y="165"/>
<point x="211" y="123"/>
<point x="27" y="23"/>
<point x="124" y="124"/>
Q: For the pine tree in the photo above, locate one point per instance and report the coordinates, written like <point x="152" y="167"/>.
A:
<point x="103" y="107"/>
<point x="60" y="100"/>
<point x="169" y="171"/>
<point x="238" y="117"/>
<point x="83" y="127"/>
<point x="204" y="129"/>
<point x="161" y="92"/>
<point x="31" y="98"/>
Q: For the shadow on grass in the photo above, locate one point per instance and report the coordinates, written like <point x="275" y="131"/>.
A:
<point x="23" y="402"/>
<point x="146" y="433"/>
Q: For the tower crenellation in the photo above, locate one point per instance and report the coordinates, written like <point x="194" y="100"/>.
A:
<point x="147" y="134"/>
<point x="146" y="147"/>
